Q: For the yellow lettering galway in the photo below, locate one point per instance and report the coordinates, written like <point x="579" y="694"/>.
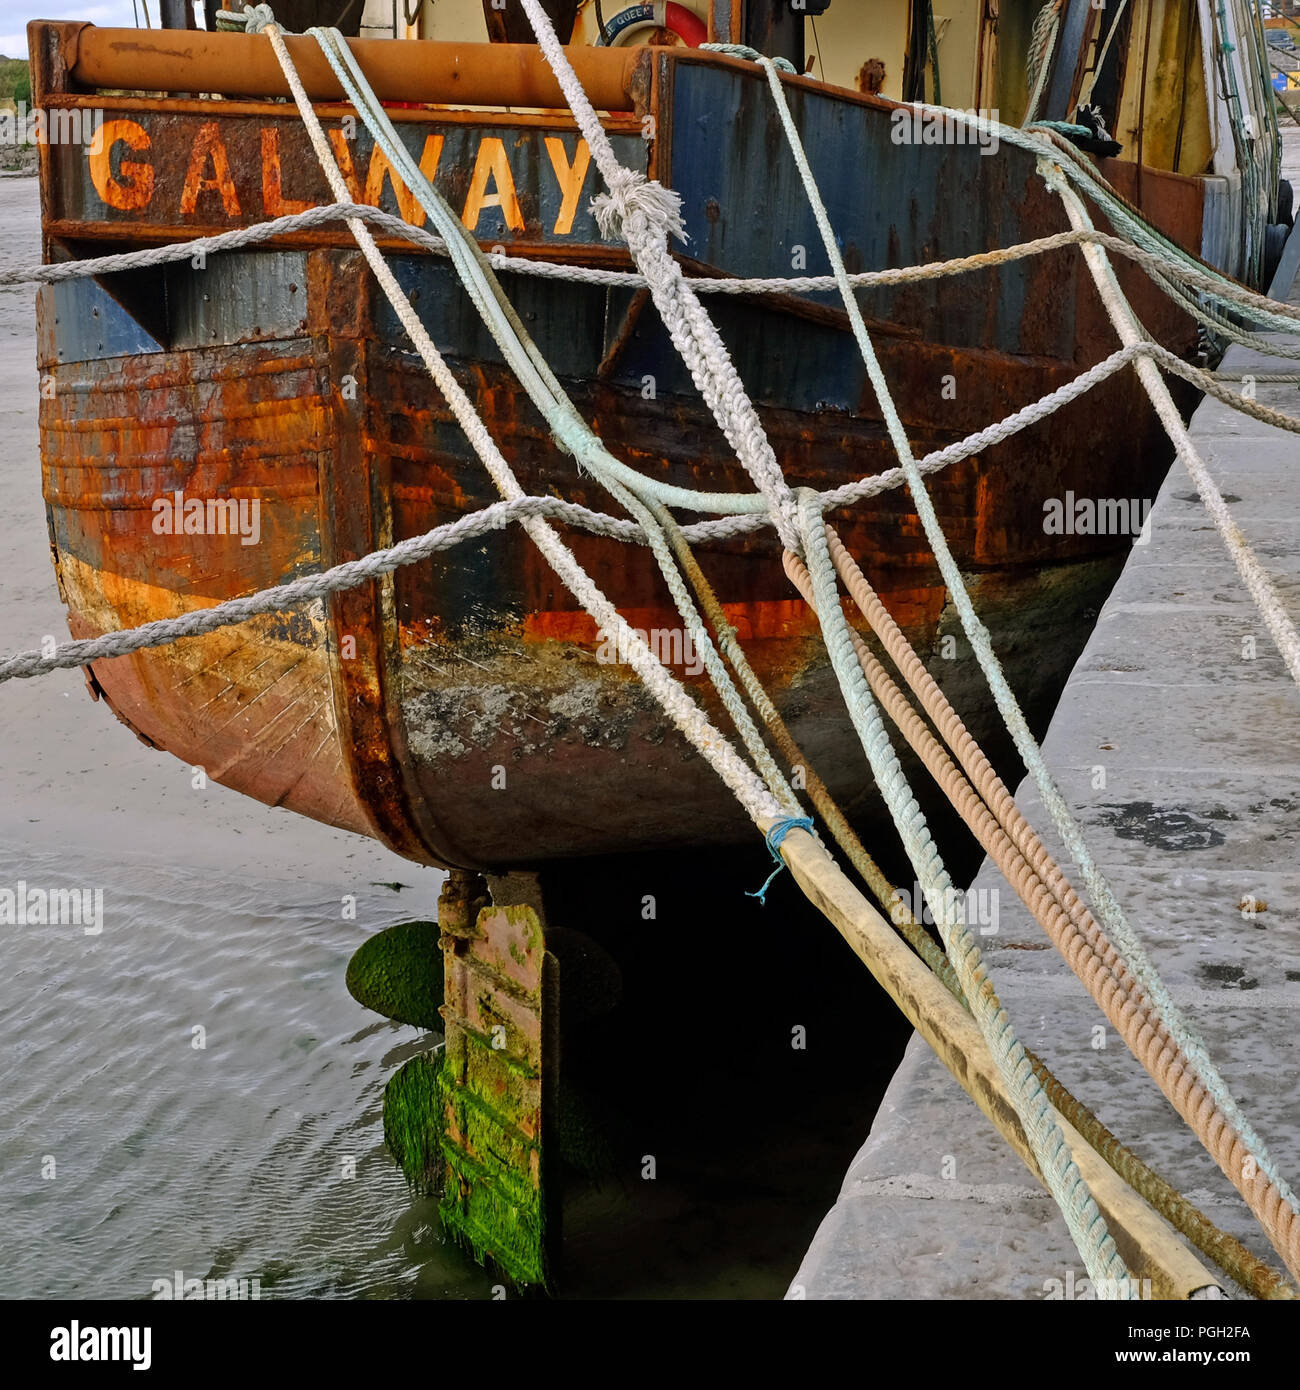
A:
<point x="233" y="171"/>
<point x="571" y="178"/>
<point x="131" y="188"/>
<point x="209" y="150"/>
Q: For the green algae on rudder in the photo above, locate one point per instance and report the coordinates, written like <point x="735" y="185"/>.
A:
<point x="498" y="1220"/>
<point x="413" y="1123"/>
<point x="489" y="1206"/>
<point x="398" y="973"/>
<point x="484" y="1215"/>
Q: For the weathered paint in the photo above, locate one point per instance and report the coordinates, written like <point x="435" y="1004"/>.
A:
<point x="401" y="706"/>
<point x="1162" y="118"/>
<point x="894" y="204"/>
<point x="211" y="170"/>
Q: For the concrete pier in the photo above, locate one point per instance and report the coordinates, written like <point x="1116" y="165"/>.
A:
<point x="1177" y="744"/>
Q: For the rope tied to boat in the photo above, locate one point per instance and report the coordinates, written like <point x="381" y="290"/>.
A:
<point x="253" y="19"/>
<point x="750" y="55"/>
<point x="1046" y="1142"/>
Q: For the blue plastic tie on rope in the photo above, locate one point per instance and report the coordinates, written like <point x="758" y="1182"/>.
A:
<point x="775" y="836"/>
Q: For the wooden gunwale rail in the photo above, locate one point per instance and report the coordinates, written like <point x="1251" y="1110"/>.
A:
<point x="429" y="71"/>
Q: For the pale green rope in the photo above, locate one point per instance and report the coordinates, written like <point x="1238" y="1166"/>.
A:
<point x="1108" y="908"/>
<point x="1086" y="1224"/>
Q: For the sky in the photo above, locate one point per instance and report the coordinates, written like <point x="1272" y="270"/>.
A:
<point x="14" y="15"/>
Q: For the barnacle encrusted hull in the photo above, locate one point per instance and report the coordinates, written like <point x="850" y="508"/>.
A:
<point x="465" y="710"/>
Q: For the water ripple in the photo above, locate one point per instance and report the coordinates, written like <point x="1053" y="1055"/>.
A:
<point x="225" y="1158"/>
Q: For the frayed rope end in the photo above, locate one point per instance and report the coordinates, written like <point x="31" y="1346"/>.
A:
<point x="632" y="195"/>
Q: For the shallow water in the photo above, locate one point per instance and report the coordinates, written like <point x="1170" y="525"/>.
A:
<point x="221" y="1159"/>
<point x="254" y="1149"/>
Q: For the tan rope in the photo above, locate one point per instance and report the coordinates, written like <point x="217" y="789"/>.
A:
<point x="1250" y="1272"/>
<point x="1038" y="880"/>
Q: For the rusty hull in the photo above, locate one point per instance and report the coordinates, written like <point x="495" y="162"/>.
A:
<point x="461" y="710"/>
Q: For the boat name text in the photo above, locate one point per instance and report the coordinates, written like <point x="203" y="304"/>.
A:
<point x="126" y="177"/>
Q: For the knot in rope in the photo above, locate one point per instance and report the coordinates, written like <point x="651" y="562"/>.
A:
<point x="252" y="20"/>
<point x="638" y="206"/>
<point x="774" y="838"/>
<point x="750" y="55"/>
<point x="1051" y="173"/>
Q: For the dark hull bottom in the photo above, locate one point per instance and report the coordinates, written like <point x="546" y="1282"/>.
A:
<point x="607" y="772"/>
